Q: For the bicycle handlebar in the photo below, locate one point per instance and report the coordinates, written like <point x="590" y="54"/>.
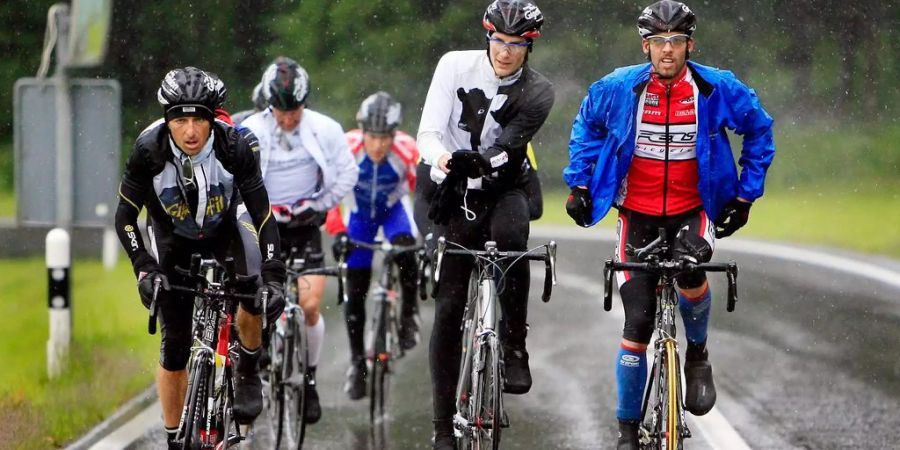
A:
<point x="673" y="268"/>
<point x="492" y="254"/>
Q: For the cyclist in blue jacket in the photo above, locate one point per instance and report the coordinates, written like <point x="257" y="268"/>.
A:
<point x="651" y="141"/>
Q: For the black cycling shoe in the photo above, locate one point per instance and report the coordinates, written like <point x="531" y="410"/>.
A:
<point x="248" y="401"/>
<point x="312" y="409"/>
<point x="443" y="439"/>
<point x="355" y="386"/>
<point x="518" y="375"/>
<point x="700" y="392"/>
<point x="628" y="435"/>
<point x="409" y="331"/>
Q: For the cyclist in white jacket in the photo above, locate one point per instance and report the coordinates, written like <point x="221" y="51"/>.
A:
<point x="307" y="168"/>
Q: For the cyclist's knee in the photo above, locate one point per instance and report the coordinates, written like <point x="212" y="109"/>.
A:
<point x="689" y="281"/>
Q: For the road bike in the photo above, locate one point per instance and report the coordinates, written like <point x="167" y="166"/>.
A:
<point x="662" y="423"/>
<point x="207" y="420"/>
<point x="383" y="339"/>
<point x="284" y="385"/>
<point x="480" y="416"/>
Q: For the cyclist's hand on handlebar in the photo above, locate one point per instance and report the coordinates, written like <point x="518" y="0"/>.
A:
<point x="578" y="206"/>
<point x="273" y="291"/>
<point x="733" y="217"/>
<point x="339" y="247"/>
<point x="145" y="285"/>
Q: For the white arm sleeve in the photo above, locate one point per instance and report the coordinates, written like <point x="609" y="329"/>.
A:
<point x="436" y="113"/>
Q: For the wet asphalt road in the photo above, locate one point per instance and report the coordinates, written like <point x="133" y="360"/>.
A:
<point x="808" y="360"/>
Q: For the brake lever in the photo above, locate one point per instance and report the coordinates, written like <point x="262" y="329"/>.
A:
<point x="151" y="324"/>
<point x="607" y="285"/>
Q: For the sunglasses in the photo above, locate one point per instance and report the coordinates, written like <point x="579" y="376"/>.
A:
<point x="677" y="40"/>
<point x="512" y="47"/>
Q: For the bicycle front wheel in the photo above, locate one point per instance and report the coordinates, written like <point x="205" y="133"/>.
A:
<point x="195" y="412"/>
<point x="381" y="360"/>
<point x="294" y="383"/>
<point x="274" y="390"/>
<point x="487" y="395"/>
<point x="664" y="423"/>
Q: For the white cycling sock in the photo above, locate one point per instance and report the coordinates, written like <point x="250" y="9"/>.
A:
<point x="316" y="336"/>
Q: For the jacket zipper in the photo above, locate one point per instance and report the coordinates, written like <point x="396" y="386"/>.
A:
<point x="374" y="189"/>
<point x="666" y="161"/>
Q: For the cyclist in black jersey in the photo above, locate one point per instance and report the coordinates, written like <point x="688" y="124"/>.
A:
<point x="200" y="181"/>
<point x="482" y="109"/>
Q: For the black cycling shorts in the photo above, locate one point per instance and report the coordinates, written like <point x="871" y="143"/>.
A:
<point x="638" y="289"/>
<point x="298" y="240"/>
<point x="176" y="309"/>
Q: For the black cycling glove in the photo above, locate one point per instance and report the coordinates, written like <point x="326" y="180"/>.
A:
<point x="341" y="246"/>
<point x="578" y="206"/>
<point x="470" y="163"/>
<point x="732" y="218"/>
<point x="147" y="270"/>
<point x="303" y="213"/>
<point x="447" y="198"/>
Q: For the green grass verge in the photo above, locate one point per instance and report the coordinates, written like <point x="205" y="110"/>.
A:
<point x="112" y="357"/>
<point x="865" y="219"/>
<point x="7" y="204"/>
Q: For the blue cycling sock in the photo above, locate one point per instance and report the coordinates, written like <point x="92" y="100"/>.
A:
<point x="695" y="313"/>
<point x="631" y="377"/>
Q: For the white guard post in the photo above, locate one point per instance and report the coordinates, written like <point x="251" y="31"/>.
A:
<point x="58" y="300"/>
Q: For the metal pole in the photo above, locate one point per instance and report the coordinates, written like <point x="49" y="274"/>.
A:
<point x="58" y="299"/>
<point x="64" y="158"/>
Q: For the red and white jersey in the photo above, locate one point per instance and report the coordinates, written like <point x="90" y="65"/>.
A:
<point x="404" y="153"/>
<point x="663" y="177"/>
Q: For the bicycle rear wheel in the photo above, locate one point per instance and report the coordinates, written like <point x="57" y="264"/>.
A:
<point x="294" y="383"/>
<point x="381" y="360"/>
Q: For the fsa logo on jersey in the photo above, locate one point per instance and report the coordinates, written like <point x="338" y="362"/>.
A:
<point x="687" y="100"/>
<point x="651" y="100"/>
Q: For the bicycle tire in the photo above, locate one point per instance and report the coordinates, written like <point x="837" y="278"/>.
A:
<point x="380" y="361"/>
<point x="226" y="411"/>
<point x="275" y="388"/>
<point x="295" y="383"/>
<point x="673" y="400"/>
<point x="195" y="413"/>
<point x="663" y="415"/>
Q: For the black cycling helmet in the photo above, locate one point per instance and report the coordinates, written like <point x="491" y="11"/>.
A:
<point x="666" y="16"/>
<point x="379" y="113"/>
<point x="189" y="92"/>
<point x="514" y="17"/>
<point x="260" y="102"/>
<point x="286" y="84"/>
<point x="220" y="89"/>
